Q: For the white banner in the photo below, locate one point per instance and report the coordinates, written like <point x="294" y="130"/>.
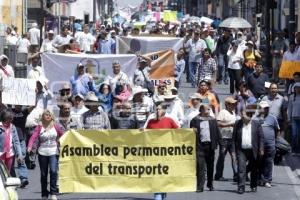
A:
<point x="59" y="68"/>
<point x="18" y="91"/>
<point x="143" y="45"/>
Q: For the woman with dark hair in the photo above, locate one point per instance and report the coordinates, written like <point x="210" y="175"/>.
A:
<point x="45" y="138"/>
<point x="9" y="140"/>
<point x="105" y="97"/>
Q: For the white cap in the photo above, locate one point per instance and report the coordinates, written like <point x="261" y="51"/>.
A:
<point x="91" y="97"/>
<point x="3" y="57"/>
<point x="138" y="89"/>
<point x="264" y="104"/>
<point x="169" y="96"/>
<point x="50" y="32"/>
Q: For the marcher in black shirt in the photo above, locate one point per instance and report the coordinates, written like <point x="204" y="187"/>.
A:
<point x="256" y="81"/>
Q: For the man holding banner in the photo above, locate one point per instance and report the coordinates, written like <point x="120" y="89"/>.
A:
<point x="161" y="122"/>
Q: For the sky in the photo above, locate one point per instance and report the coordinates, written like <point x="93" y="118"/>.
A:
<point x="123" y="3"/>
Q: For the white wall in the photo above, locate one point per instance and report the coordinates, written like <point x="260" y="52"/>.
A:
<point x="80" y="7"/>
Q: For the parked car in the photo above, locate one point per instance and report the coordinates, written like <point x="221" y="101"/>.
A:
<point x="8" y="184"/>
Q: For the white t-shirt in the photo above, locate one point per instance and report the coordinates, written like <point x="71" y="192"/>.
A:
<point x="228" y="118"/>
<point x="77" y="112"/>
<point x="196" y="49"/>
<point x="85" y="41"/>
<point x="48" y="143"/>
<point x="34" y="36"/>
<point x="47" y="46"/>
<point x="12" y="40"/>
<point x="233" y="57"/>
<point x="9" y="70"/>
<point x="247" y="136"/>
<point x="35" y="73"/>
<point x="60" y="40"/>
<point x="23" y="45"/>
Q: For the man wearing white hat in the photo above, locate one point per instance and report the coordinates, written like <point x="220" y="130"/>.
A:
<point x="142" y="105"/>
<point x="35" y="71"/>
<point x="34" y="35"/>
<point x="47" y="45"/>
<point x="174" y="109"/>
<point x="193" y="111"/>
<point x="271" y="130"/>
<point x="78" y="106"/>
<point x="5" y="69"/>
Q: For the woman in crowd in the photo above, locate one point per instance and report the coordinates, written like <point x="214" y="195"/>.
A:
<point x="9" y="140"/>
<point x="105" y="97"/>
<point x="45" y="139"/>
<point x="250" y="57"/>
<point x="234" y="66"/>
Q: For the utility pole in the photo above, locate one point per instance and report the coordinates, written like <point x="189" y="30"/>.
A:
<point x="292" y="21"/>
<point x="268" y="61"/>
<point x="41" y="21"/>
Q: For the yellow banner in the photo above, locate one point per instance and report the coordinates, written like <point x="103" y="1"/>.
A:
<point x="128" y="161"/>
<point x="288" y="68"/>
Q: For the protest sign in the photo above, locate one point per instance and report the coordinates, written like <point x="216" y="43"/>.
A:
<point x="18" y="91"/>
<point x="127" y="161"/>
<point x="60" y="67"/>
<point x="162" y="65"/>
<point x="170" y="16"/>
<point x="147" y="44"/>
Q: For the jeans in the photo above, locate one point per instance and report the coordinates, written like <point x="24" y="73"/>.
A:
<point x="227" y="147"/>
<point x="242" y="157"/>
<point x="46" y="162"/>
<point x="205" y="158"/>
<point x="235" y="79"/>
<point x="276" y="67"/>
<point x="295" y="134"/>
<point x="186" y="69"/>
<point x="222" y="68"/>
<point x="22" y="168"/>
<point x="267" y="163"/>
<point x="247" y="72"/>
<point x="192" y="72"/>
<point x="160" y="196"/>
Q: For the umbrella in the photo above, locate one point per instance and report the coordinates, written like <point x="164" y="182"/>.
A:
<point x="206" y="20"/>
<point x="235" y="22"/>
<point x="194" y="19"/>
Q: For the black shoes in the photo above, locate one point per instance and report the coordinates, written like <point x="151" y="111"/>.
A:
<point x="220" y="179"/>
<point x="241" y="190"/>
<point x="254" y="189"/>
<point x="211" y="188"/>
<point x="199" y="190"/>
<point x="24" y="182"/>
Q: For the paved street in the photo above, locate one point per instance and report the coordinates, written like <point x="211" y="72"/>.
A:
<point x="286" y="184"/>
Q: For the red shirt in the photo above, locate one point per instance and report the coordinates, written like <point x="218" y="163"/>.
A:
<point x="163" y="123"/>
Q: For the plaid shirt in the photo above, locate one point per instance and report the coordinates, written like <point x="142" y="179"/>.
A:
<point x="207" y="69"/>
<point x="95" y="121"/>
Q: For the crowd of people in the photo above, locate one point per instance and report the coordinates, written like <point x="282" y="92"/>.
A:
<point x="246" y="124"/>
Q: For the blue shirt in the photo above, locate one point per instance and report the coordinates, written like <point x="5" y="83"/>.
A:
<point x="82" y="84"/>
<point x="269" y="126"/>
<point x="106" y="46"/>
